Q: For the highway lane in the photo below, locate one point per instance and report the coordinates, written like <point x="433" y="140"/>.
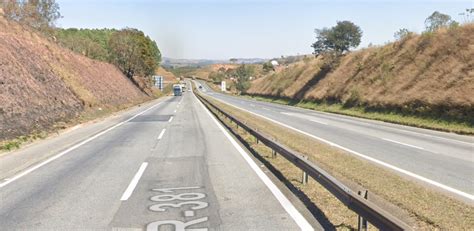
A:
<point x="442" y="160"/>
<point x="171" y="166"/>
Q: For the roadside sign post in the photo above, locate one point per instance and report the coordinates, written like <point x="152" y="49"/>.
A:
<point x="158" y="79"/>
<point x="223" y="87"/>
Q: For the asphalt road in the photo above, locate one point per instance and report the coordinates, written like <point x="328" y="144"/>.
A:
<point x="161" y="166"/>
<point x="444" y="161"/>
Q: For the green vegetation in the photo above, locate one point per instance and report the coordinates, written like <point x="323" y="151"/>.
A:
<point x="93" y="43"/>
<point x="267" y="67"/>
<point x="242" y="75"/>
<point x="134" y="53"/>
<point x="438" y="20"/>
<point x="9" y="145"/>
<point x="217" y="77"/>
<point x="386" y="116"/>
<point x="38" y="14"/>
<point x="130" y="50"/>
<point x="338" y="39"/>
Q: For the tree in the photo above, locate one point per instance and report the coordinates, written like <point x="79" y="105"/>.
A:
<point x="322" y="44"/>
<point x="340" y="38"/>
<point x="92" y="43"/>
<point x="402" y="33"/>
<point x="39" y="14"/>
<point x="267" y="67"/>
<point x="134" y="53"/>
<point x="243" y="73"/>
<point x="438" y="20"/>
<point x="233" y="60"/>
<point x="216" y="77"/>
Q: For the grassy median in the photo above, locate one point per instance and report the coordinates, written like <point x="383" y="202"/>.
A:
<point x="420" y="207"/>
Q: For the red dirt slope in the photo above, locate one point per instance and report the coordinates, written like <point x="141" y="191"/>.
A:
<point x="42" y="83"/>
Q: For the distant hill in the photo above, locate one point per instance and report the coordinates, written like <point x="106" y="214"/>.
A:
<point x="176" y="63"/>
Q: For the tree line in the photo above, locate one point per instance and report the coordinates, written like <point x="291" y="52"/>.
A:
<point x="133" y="52"/>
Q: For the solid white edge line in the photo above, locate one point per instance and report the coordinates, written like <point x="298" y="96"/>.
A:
<point x="409" y="145"/>
<point x="128" y="192"/>
<point x="364" y="121"/>
<point x="418" y="177"/>
<point x="171" y="119"/>
<point x="29" y="170"/>
<point x="285" y="203"/>
<point x="162" y="133"/>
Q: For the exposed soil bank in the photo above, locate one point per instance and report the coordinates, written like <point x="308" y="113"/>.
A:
<point x="42" y="84"/>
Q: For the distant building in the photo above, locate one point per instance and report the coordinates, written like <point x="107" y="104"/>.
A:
<point x="274" y="63"/>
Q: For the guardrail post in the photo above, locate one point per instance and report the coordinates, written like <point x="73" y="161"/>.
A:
<point x="304" y="177"/>
<point x="274" y="154"/>
<point x="362" y="224"/>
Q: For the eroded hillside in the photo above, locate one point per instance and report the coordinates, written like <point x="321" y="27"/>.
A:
<point x="427" y="75"/>
<point x="42" y="84"/>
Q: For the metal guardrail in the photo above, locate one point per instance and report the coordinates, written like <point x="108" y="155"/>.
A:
<point x="365" y="209"/>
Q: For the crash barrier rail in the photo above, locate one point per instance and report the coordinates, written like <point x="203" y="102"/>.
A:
<point x="366" y="210"/>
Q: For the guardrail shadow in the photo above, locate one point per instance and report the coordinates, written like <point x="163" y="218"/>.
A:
<point x="317" y="213"/>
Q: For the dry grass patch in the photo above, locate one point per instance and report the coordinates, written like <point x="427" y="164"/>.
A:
<point x="420" y="207"/>
<point x="428" y="76"/>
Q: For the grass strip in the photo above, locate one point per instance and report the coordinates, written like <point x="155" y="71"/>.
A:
<point x="420" y="207"/>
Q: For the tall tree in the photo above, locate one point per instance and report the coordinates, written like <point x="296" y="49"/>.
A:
<point x="340" y="38"/>
<point x="438" y="20"/>
<point x="134" y="53"/>
<point x="243" y="73"/>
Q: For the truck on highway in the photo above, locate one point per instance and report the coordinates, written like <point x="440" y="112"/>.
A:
<point x="177" y="89"/>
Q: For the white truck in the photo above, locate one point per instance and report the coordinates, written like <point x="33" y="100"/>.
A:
<point x="177" y="89"/>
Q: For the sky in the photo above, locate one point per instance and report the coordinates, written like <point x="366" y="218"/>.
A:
<point x="223" y="29"/>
